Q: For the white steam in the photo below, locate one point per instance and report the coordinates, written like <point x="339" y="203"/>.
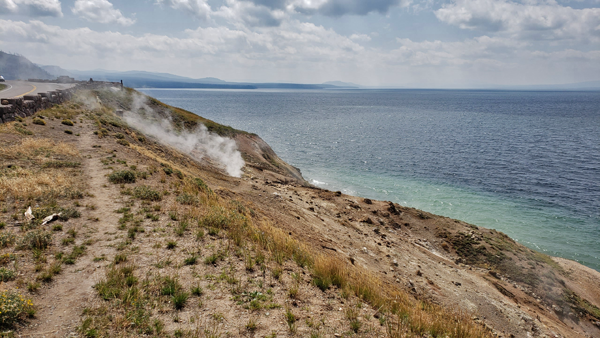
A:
<point x="197" y="144"/>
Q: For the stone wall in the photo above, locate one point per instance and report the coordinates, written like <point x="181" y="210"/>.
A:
<point x="30" y="104"/>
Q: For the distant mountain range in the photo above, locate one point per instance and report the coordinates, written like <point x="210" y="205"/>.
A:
<point x="142" y="79"/>
<point x="15" y="66"/>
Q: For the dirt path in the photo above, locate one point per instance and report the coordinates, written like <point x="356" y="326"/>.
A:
<point x="60" y="306"/>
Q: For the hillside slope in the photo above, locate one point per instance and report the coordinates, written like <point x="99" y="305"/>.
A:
<point x="155" y="241"/>
<point x="14" y="67"/>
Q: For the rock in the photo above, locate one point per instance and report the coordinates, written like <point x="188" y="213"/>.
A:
<point x="392" y="209"/>
<point x="367" y="201"/>
<point x="419" y="273"/>
<point x="395" y="262"/>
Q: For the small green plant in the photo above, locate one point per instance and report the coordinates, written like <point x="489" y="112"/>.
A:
<point x="290" y="319"/>
<point x="120" y="258"/>
<point x="251" y="325"/>
<point x="211" y="260"/>
<point x="119" y="136"/>
<point x="277" y="273"/>
<point x="6" y="274"/>
<point x="170" y="286"/>
<point x="190" y="260"/>
<point x="197" y="291"/>
<point x="67" y="122"/>
<point x="123" y="176"/>
<point x="171" y="245"/>
<point x="39" y="121"/>
<point x="179" y="299"/>
<point x="200" y="234"/>
<point x="33" y="286"/>
<point x="68" y="240"/>
<point x="7" y="239"/>
<point x="57" y="227"/>
<point x="123" y="142"/>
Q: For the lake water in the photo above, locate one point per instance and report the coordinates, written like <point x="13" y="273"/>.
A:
<point x="525" y="163"/>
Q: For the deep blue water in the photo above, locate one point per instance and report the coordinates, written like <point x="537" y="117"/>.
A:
<point x="525" y="163"/>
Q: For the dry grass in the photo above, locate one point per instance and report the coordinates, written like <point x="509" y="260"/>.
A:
<point x="26" y="184"/>
<point x="31" y="148"/>
<point x="406" y="317"/>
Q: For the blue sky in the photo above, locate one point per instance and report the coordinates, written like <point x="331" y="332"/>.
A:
<point x="412" y="43"/>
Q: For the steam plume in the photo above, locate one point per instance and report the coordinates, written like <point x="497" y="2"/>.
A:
<point x="198" y="143"/>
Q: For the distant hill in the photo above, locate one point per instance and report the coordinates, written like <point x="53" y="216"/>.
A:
<point x="56" y="71"/>
<point x="143" y="79"/>
<point x="342" y="84"/>
<point x="14" y="67"/>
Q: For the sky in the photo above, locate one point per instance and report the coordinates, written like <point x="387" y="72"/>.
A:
<point x="402" y="43"/>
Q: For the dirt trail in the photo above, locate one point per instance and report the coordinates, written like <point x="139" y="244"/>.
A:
<point x="60" y="306"/>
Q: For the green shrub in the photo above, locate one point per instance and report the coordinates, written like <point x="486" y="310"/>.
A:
<point x="70" y="132"/>
<point x="188" y="199"/>
<point x="190" y="260"/>
<point x="144" y="192"/>
<point x="123" y="176"/>
<point x="67" y="122"/>
<point x="13" y="307"/>
<point x="123" y="142"/>
<point x="201" y="185"/>
<point x="120" y="258"/>
<point x="170" y="286"/>
<point x="119" y="136"/>
<point x="39" y="121"/>
<point x="37" y="239"/>
<point x="179" y="299"/>
<point x="6" y="274"/>
<point x="7" y="239"/>
<point x="197" y="291"/>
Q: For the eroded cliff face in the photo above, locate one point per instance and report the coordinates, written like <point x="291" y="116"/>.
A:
<point x="259" y="155"/>
<point x="513" y="290"/>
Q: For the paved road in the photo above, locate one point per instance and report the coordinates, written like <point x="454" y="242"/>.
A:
<point x="20" y="88"/>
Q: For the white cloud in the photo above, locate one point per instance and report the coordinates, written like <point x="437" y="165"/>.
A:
<point x="532" y="20"/>
<point x="360" y="37"/>
<point x="300" y="52"/>
<point x="250" y="14"/>
<point x="480" y="50"/>
<point x="198" y="8"/>
<point x="273" y="12"/>
<point x="33" y="8"/>
<point x="101" y="11"/>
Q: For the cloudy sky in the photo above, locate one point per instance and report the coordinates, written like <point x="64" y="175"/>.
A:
<point x="415" y="43"/>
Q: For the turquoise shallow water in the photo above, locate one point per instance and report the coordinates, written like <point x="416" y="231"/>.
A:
<point x="525" y="163"/>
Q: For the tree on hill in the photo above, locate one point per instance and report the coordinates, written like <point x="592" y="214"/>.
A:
<point x="15" y="66"/>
